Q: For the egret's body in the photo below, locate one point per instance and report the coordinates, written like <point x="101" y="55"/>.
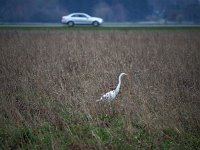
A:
<point x="110" y="96"/>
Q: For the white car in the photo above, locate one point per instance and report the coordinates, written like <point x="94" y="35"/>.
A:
<point x="81" y="19"/>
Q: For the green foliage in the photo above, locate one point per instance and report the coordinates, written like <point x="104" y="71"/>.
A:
<point x="43" y="137"/>
<point x="14" y="138"/>
<point x="174" y="140"/>
<point x="78" y="28"/>
<point x="47" y="136"/>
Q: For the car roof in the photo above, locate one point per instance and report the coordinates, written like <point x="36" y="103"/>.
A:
<point x="78" y="14"/>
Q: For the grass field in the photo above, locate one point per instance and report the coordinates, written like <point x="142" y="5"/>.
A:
<point x="50" y="81"/>
<point x="101" y="28"/>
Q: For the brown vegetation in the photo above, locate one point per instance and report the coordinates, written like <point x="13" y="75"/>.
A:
<point x="44" y="74"/>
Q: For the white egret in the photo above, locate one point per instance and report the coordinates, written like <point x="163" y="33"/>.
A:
<point x="110" y="96"/>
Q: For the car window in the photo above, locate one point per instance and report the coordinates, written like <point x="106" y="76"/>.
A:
<point x="83" y="16"/>
<point x="75" y="16"/>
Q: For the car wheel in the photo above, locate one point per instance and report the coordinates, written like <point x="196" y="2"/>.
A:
<point x="95" y="24"/>
<point x="70" y="23"/>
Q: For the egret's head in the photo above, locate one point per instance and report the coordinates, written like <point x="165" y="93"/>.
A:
<point x="123" y="74"/>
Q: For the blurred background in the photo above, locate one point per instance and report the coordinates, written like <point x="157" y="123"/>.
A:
<point x="51" y="11"/>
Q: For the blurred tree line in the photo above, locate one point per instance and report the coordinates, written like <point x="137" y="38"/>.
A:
<point x="110" y="10"/>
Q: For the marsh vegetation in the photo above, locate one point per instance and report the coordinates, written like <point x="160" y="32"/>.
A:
<point x="50" y="81"/>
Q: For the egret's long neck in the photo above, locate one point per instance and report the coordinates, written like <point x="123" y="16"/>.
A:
<point x="119" y="84"/>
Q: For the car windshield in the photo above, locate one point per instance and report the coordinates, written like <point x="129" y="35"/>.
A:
<point x="87" y="15"/>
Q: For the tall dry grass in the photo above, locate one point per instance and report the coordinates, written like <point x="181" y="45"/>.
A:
<point x="44" y="74"/>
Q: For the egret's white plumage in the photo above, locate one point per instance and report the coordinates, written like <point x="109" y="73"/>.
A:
<point x="110" y="96"/>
